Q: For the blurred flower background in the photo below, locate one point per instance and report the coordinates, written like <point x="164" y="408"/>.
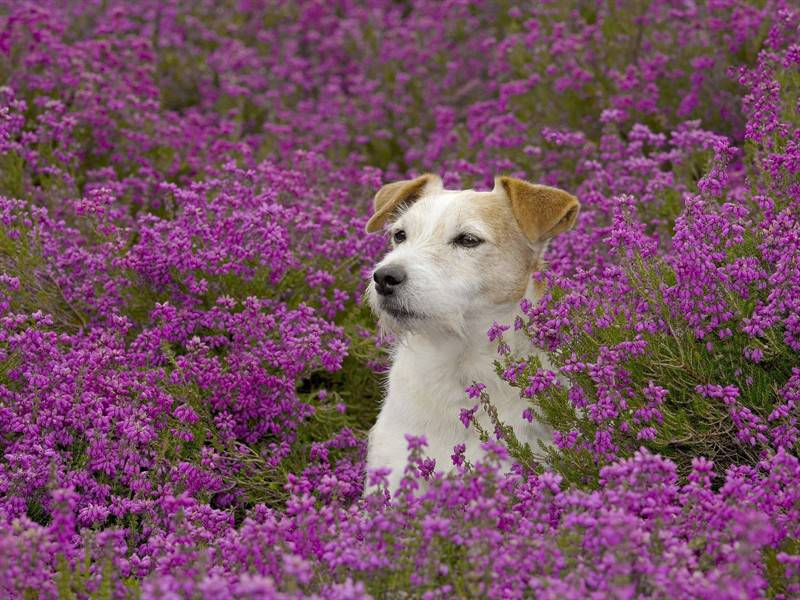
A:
<point x="187" y="373"/>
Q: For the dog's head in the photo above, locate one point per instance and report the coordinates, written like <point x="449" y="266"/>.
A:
<point x="458" y="255"/>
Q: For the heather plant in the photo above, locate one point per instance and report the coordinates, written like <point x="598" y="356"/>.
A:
<point x="187" y="373"/>
<point x="642" y="337"/>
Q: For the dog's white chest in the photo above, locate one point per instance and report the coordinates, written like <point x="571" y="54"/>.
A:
<point x="425" y="397"/>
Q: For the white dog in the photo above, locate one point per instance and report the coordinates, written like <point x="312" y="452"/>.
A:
<point x="460" y="260"/>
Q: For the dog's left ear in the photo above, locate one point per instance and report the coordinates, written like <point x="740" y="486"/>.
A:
<point x="393" y="195"/>
<point x="541" y="211"/>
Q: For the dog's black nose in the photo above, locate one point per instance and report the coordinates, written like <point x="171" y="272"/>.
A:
<point x="388" y="278"/>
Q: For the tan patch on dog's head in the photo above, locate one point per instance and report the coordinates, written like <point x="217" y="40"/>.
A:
<point x="523" y="217"/>
<point x="392" y="195"/>
<point x="541" y="211"/>
<point x="507" y="280"/>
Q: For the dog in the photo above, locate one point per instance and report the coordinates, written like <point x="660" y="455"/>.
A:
<point x="460" y="261"/>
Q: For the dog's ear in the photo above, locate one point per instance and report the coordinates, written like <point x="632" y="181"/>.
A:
<point x="392" y="195"/>
<point x="541" y="211"/>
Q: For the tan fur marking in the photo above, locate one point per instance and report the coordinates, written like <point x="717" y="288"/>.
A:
<point x="541" y="211"/>
<point x="539" y="286"/>
<point x="506" y="281"/>
<point x="392" y="195"/>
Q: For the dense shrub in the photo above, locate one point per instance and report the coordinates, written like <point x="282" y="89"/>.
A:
<point x="187" y="372"/>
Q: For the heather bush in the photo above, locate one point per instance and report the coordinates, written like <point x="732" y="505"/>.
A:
<point x="685" y="343"/>
<point x="187" y="373"/>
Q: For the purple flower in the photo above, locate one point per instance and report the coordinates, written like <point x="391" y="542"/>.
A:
<point x="466" y="415"/>
<point x="475" y="390"/>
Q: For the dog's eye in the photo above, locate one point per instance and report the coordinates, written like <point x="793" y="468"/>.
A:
<point x="399" y="236"/>
<point x="467" y="240"/>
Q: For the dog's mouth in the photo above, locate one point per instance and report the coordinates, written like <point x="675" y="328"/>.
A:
<point x="400" y="313"/>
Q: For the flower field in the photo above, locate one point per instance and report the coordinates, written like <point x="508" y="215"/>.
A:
<point x="187" y="370"/>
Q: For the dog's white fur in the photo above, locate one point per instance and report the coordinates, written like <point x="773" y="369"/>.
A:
<point x="442" y="312"/>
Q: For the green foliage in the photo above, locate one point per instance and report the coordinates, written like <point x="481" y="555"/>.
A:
<point x="677" y="361"/>
<point x="775" y="571"/>
<point x="74" y="582"/>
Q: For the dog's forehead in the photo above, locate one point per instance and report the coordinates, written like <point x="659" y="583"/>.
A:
<point x="448" y="209"/>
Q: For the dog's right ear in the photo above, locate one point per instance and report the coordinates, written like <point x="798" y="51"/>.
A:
<point x="392" y="195"/>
